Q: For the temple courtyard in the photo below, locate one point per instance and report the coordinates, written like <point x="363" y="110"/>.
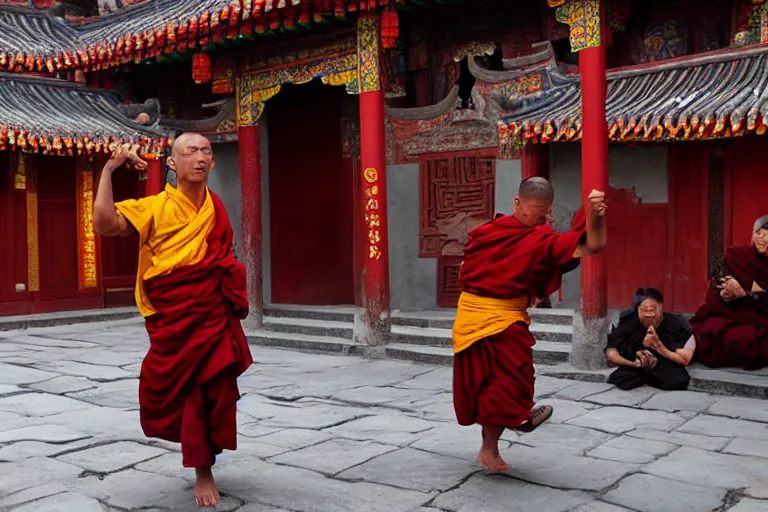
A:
<point x="324" y="433"/>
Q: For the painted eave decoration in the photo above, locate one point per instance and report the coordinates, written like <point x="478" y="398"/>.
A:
<point x="54" y="117"/>
<point x="706" y="96"/>
<point x="34" y="40"/>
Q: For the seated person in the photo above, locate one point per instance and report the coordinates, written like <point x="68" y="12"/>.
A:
<point x="650" y="346"/>
<point x="731" y="328"/>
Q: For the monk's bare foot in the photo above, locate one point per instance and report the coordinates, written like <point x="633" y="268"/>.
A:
<point x="206" y="493"/>
<point x="493" y="461"/>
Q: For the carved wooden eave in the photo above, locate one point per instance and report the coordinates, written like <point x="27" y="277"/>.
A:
<point x="443" y="127"/>
<point x="220" y="127"/>
<point x="447" y="127"/>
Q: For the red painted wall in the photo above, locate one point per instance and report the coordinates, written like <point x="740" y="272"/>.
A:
<point x="688" y="170"/>
<point x="637" y="251"/>
<point x="746" y="188"/>
<point x="310" y="195"/>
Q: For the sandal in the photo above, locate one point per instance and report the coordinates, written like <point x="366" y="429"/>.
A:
<point x="538" y="416"/>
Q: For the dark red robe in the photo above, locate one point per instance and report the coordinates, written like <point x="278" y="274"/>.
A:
<point x="735" y="333"/>
<point x="188" y="388"/>
<point x="493" y="380"/>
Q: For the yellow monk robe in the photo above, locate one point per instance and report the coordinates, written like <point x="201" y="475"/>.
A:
<point x="478" y="318"/>
<point x="172" y="234"/>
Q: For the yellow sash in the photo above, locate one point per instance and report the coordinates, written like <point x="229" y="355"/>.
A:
<point x="481" y="317"/>
<point x="172" y="234"/>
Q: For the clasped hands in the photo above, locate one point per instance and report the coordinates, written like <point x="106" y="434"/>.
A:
<point x="645" y="359"/>
<point x="730" y="289"/>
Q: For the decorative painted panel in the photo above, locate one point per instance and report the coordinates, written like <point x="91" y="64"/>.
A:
<point x="368" y="54"/>
<point x="457" y="193"/>
<point x="86" y="237"/>
<point x="583" y="18"/>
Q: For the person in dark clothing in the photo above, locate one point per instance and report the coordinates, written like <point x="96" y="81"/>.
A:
<point x="649" y="346"/>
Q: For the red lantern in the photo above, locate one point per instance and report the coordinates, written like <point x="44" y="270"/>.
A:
<point x="201" y="68"/>
<point x="390" y="28"/>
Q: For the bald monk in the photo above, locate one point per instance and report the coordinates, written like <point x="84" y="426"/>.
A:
<point x="192" y="293"/>
<point x="509" y="262"/>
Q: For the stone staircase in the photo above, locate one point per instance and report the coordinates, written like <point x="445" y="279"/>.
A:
<point x="425" y="337"/>
<point x="422" y="337"/>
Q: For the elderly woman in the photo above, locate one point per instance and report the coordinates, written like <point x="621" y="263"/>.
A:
<point x="649" y="346"/>
<point x="731" y="328"/>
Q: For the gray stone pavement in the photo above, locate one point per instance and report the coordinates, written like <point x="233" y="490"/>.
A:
<point x="322" y="433"/>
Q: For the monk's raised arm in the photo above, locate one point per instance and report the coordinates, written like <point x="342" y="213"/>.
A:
<point x="106" y="221"/>
<point x="597" y="227"/>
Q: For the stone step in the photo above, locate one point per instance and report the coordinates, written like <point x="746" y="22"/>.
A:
<point x="12" y="323"/>
<point x="302" y="342"/>
<point x="401" y="333"/>
<point x="441" y="319"/>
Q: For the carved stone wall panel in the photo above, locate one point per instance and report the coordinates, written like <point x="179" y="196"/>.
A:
<point x="457" y="191"/>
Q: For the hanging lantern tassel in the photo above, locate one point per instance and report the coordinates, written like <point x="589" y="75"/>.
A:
<point x="201" y="68"/>
<point x="390" y="29"/>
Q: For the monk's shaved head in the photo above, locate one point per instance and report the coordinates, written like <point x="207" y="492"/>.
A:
<point x="191" y="158"/>
<point x="536" y="188"/>
<point x="533" y="204"/>
<point x="186" y="138"/>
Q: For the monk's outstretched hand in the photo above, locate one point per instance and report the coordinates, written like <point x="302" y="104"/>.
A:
<point x="597" y="199"/>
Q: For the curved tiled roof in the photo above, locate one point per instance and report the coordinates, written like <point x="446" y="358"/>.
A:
<point x="58" y="117"/>
<point x="720" y="94"/>
<point x="34" y="40"/>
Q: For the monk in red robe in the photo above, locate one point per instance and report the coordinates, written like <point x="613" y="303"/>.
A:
<point x="731" y="327"/>
<point x="510" y="262"/>
<point x="192" y="292"/>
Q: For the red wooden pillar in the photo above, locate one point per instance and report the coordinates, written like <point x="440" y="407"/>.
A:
<point x="154" y="182"/>
<point x="534" y="161"/>
<point x="250" y="183"/>
<point x="594" y="170"/>
<point x="375" y="290"/>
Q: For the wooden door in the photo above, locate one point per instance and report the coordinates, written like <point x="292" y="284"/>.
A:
<point x="458" y="192"/>
<point x="13" y="239"/>
<point x="57" y="227"/>
<point x="311" y="240"/>
<point x="120" y="255"/>
<point x="746" y="188"/>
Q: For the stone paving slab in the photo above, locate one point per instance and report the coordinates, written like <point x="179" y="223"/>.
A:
<point x="327" y="433"/>
<point x="647" y="493"/>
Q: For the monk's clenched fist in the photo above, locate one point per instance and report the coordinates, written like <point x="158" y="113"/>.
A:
<point x="597" y="199"/>
<point x="125" y="153"/>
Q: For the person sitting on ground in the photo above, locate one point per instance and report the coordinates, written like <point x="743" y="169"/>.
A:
<point x="650" y="346"/>
<point x="731" y="327"/>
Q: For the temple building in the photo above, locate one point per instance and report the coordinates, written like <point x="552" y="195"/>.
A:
<point x="358" y="141"/>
